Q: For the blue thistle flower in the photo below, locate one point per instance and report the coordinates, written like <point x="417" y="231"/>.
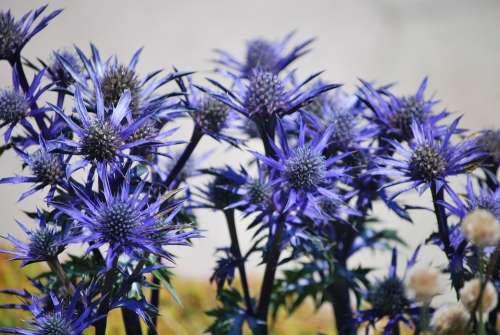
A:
<point x="389" y="299"/>
<point x="16" y="106"/>
<point x="428" y="159"/>
<point x="14" y="34"/>
<point x="394" y="116"/>
<point x="302" y="172"/>
<point x="115" y="78"/>
<point x="489" y="141"/>
<point x="266" y="96"/>
<point x="47" y="169"/>
<point x="343" y="112"/>
<point x="58" y="317"/>
<point x="45" y="243"/>
<point x="128" y="221"/>
<point x="106" y="139"/>
<point x="260" y="53"/>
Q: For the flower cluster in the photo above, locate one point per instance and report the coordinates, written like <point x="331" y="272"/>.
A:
<point x="317" y="161"/>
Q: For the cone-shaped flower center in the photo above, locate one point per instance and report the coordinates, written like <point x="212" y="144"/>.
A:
<point x="305" y="168"/>
<point x="55" y="325"/>
<point x="258" y="192"/>
<point x="212" y="115"/>
<point x="262" y="54"/>
<point x="265" y="94"/>
<point x="46" y="167"/>
<point x="100" y="142"/>
<point x="115" y="81"/>
<point x="389" y="297"/>
<point x="43" y="243"/>
<point x="13" y="106"/>
<point x="343" y="124"/>
<point x="427" y="163"/>
<point x="11" y="36"/>
<point x="118" y="221"/>
<point x="411" y="109"/>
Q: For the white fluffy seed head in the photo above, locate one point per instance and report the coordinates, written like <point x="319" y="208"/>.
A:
<point x="469" y="295"/>
<point x="481" y="228"/>
<point x="424" y="283"/>
<point x="450" y="320"/>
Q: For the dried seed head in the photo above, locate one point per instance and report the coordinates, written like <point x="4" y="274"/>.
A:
<point x="481" y="228"/>
<point x="305" y="168"/>
<point x="424" y="283"/>
<point x="469" y="295"/>
<point x="450" y="320"/>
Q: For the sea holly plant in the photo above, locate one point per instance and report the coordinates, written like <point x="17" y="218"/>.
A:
<point x="319" y="160"/>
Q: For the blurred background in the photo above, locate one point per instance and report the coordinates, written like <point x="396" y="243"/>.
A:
<point x="454" y="42"/>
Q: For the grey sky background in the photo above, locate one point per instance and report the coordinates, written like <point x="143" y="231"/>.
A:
<point x="455" y="42"/>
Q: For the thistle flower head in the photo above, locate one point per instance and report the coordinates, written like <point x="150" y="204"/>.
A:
<point x="44" y="243"/>
<point x="261" y="53"/>
<point x="126" y="220"/>
<point x="54" y="324"/>
<point x="450" y="320"/>
<point x="258" y="192"/>
<point x="61" y="61"/>
<point x="115" y="81"/>
<point x="481" y="228"/>
<point x="13" y="106"/>
<point x="100" y="141"/>
<point x="46" y="167"/>
<point x="11" y="36"/>
<point x="211" y="115"/>
<point x="14" y="34"/>
<point x="388" y="297"/>
<point x="305" y="168"/>
<point x="268" y="55"/>
<point x="470" y="292"/>
<point x="394" y="116"/>
<point x="428" y="158"/>
<point x="266" y="94"/>
<point x="489" y="142"/>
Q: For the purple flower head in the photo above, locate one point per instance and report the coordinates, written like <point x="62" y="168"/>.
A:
<point x="388" y="298"/>
<point x="47" y="169"/>
<point x="428" y="159"/>
<point x="126" y="219"/>
<point x="108" y="138"/>
<point x="116" y="78"/>
<point x="58" y="317"/>
<point x="16" y="106"/>
<point x="302" y="172"/>
<point x="14" y="34"/>
<point x="394" y="116"/>
<point x="44" y="243"/>
<point x="260" y="53"/>
<point x="489" y="141"/>
<point x="265" y="96"/>
<point x="212" y="116"/>
<point x="484" y="198"/>
<point x="342" y="112"/>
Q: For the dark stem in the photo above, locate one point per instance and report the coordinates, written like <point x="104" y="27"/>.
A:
<point x="131" y="322"/>
<point x="444" y="235"/>
<point x="60" y="100"/>
<point x="193" y="142"/>
<point x="57" y="268"/>
<point x="235" y="248"/>
<point x="106" y="299"/>
<point x="266" y="130"/>
<point x="271" y="260"/>
<point x="181" y="162"/>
